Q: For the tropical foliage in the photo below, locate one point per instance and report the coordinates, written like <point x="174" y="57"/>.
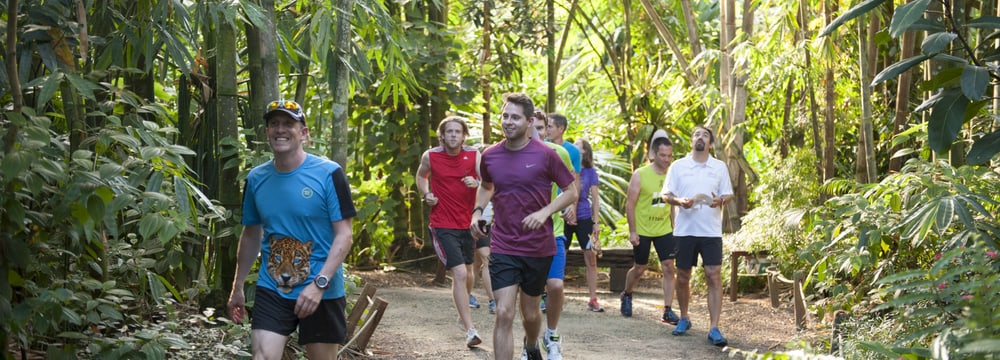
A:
<point x="129" y="125"/>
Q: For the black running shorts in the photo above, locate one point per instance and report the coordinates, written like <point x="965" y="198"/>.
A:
<point x="666" y="248"/>
<point x="328" y="324"/>
<point x="689" y="247"/>
<point x="453" y="247"/>
<point x="528" y="272"/>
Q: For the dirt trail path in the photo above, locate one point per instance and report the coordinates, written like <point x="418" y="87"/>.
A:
<point x="421" y="323"/>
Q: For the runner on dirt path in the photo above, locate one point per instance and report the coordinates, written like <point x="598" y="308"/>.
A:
<point x="649" y="223"/>
<point x="518" y="174"/>
<point x="450" y="192"/>
<point x="692" y="183"/>
<point x="552" y="299"/>
<point x="588" y="225"/>
<point x="297" y="213"/>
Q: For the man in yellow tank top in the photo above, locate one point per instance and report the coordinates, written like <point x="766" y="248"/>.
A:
<point x="649" y="223"/>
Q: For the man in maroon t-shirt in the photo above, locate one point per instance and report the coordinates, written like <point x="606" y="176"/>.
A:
<point x="453" y="171"/>
<point x="517" y="175"/>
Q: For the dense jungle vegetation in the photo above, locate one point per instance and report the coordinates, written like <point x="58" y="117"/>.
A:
<point x="861" y="138"/>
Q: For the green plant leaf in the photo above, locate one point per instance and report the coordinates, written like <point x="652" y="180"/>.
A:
<point x="894" y="70"/>
<point x="937" y="42"/>
<point x="149" y="226"/>
<point x="984" y="148"/>
<point x="945" y="214"/>
<point x="49" y="87"/>
<point x="989" y="346"/>
<point x="153" y="350"/>
<point x="854" y="12"/>
<point x="905" y="15"/>
<point x="156" y="289"/>
<point x="83" y="86"/>
<point x="974" y="81"/>
<point x="947" y="117"/>
<point x="984" y="22"/>
<point x="95" y="207"/>
<point x="173" y="340"/>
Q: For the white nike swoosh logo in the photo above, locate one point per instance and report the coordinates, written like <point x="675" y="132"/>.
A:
<point x="529" y="165"/>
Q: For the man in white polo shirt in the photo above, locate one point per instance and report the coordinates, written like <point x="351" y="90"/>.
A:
<point x="699" y="185"/>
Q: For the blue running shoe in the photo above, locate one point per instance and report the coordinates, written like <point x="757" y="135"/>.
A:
<point x="473" y="303"/>
<point x="543" y="303"/>
<point x="670" y="317"/>
<point x="493" y="306"/>
<point x="715" y="337"/>
<point x="626" y="309"/>
<point x="683" y="325"/>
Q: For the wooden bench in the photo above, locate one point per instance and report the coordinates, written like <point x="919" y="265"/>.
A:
<point x="618" y="260"/>
<point x="757" y="268"/>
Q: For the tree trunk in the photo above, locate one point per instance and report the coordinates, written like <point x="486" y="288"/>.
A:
<point x="262" y="62"/>
<point x="865" y="154"/>
<point x="691" y="23"/>
<point x="665" y="35"/>
<point x="230" y="196"/>
<point x="904" y="89"/>
<point x="10" y="138"/>
<point x="552" y="69"/>
<point x="787" y="131"/>
<point x="829" y="128"/>
<point x="484" y="76"/>
<point x="811" y="90"/>
<point x="342" y="82"/>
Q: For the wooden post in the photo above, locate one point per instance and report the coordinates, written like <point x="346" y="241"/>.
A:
<point x="375" y="316"/>
<point x="800" y="303"/>
<point x="734" y="264"/>
<point x="364" y="299"/>
<point x="772" y="287"/>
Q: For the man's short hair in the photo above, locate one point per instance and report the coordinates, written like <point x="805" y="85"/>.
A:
<point x="711" y="135"/>
<point x="657" y="139"/>
<point x="527" y="105"/>
<point x="540" y="115"/>
<point x="559" y="120"/>
<point x="455" y="119"/>
<point x="659" y="142"/>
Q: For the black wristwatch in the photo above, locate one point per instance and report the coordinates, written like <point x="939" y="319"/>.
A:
<point x="322" y="282"/>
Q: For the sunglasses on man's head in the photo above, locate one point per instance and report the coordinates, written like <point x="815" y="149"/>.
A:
<point x="284" y="104"/>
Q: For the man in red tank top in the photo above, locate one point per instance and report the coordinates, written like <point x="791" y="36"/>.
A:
<point x="448" y="177"/>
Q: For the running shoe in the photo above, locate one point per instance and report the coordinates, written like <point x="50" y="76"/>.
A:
<point x="554" y="353"/>
<point x="715" y="337"/>
<point x="472" y="338"/>
<point x="493" y="306"/>
<point x="594" y="306"/>
<point x="549" y="339"/>
<point x="473" y="303"/>
<point x="683" y="325"/>
<point x="543" y="303"/>
<point x="626" y="309"/>
<point x="533" y="354"/>
<point x="670" y="317"/>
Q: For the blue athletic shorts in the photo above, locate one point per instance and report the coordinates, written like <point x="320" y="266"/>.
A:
<point x="558" y="268"/>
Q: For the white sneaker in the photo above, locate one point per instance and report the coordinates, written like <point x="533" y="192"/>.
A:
<point x="472" y="338"/>
<point x="548" y="339"/>
<point x="554" y="352"/>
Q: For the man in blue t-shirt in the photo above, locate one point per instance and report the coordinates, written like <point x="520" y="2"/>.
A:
<point x="297" y="214"/>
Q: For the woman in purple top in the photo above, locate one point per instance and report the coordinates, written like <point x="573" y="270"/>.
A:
<point x="588" y="215"/>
